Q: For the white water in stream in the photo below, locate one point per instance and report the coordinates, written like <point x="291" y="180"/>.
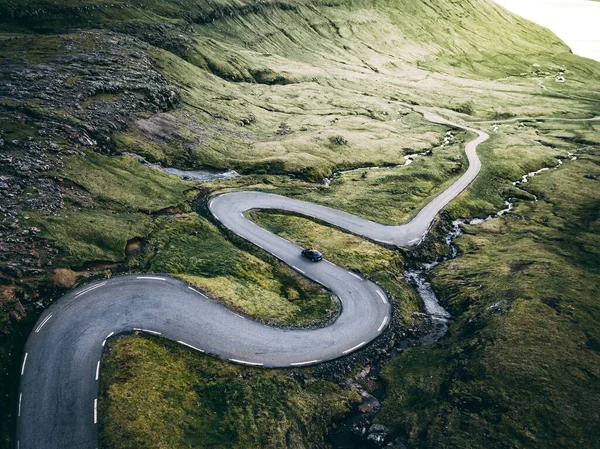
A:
<point x="418" y="278"/>
<point x="188" y="175"/>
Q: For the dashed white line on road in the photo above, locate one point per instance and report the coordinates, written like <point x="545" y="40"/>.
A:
<point x="152" y="278"/>
<point x="193" y="289"/>
<point x="97" y="369"/>
<point x="89" y="289"/>
<point x="95" y="410"/>
<point x="189" y="346"/>
<point x="146" y="330"/>
<point x="42" y="323"/>
<point x="298" y="269"/>
<point x="382" y="296"/>
<point x="214" y="215"/>
<point x="23" y="367"/>
<point x="243" y="362"/>
<point x="355" y="275"/>
<point x="20" y="398"/>
<point x="239" y="316"/>
<point x="413" y="241"/>
<point x="354" y="347"/>
<point x="386" y="242"/>
<point x="304" y="363"/>
<point x="385" y="320"/>
<point x="210" y="203"/>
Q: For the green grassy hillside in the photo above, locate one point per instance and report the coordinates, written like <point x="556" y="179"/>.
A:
<point x="520" y="366"/>
<point x="288" y="92"/>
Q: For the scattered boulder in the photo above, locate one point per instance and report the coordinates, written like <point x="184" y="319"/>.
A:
<point x="339" y="140"/>
<point x="248" y="120"/>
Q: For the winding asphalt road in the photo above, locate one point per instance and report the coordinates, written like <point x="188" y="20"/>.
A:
<point x="57" y="405"/>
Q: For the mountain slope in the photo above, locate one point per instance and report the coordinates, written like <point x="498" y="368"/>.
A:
<point x="285" y="92"/>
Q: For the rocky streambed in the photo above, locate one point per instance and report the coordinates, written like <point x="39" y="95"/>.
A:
<point x="189" y="175"/>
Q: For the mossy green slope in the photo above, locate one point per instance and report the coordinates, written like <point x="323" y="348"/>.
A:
<point x="266" y="88"/>
<point x="520" y="366"/>
<point x="157" y="394"/>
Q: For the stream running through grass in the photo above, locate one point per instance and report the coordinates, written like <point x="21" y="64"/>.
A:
<point x="188" y="175"/>
<point x="418" y="277"/>
<point x="356" y="430"/>
<point x="408" y="159"/>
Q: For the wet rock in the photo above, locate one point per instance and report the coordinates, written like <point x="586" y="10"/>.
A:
<point x="369" y="404"/>
<point x="378" y="439"/>
<point x="398" y="443"/>
<point x="377" y="428"/>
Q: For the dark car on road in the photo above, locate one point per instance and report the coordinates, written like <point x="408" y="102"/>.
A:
<point x="312" y="254"/>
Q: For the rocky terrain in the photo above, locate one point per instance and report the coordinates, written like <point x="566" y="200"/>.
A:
<point x="55" y="107"/>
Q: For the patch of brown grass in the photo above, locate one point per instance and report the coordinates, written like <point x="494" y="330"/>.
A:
<point x="63" y="277"/>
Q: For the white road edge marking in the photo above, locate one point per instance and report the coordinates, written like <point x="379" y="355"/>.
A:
<point x="298" y="269"/>
<point x="24" y="361"/>
<point x="89" y="289"/>
<point x="97" y="369"/>
<point x="354" y="347"/>
<point x="385" y="320"/>
<point x="151" y="277"/>
<point x="214" y="215"/>
<point x="42" y="323"/>
<point x="189" y="346"/>
<point x="245" y="363"/>
<point x="239" y="316"/>
<point x="193" y="289"/>
<point x="382" y="296"/>
<point x="304" y="363"/>
<point x="386" y="242"/>
<point x="20" y="398"/>
<point x="413" y="241"/>
<point x="146" y="330"/>
<point x="86" y="290"/>
<point x="355" y="275"/>
<point x="95" y="410"/>
<point x="107" y="337"/>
